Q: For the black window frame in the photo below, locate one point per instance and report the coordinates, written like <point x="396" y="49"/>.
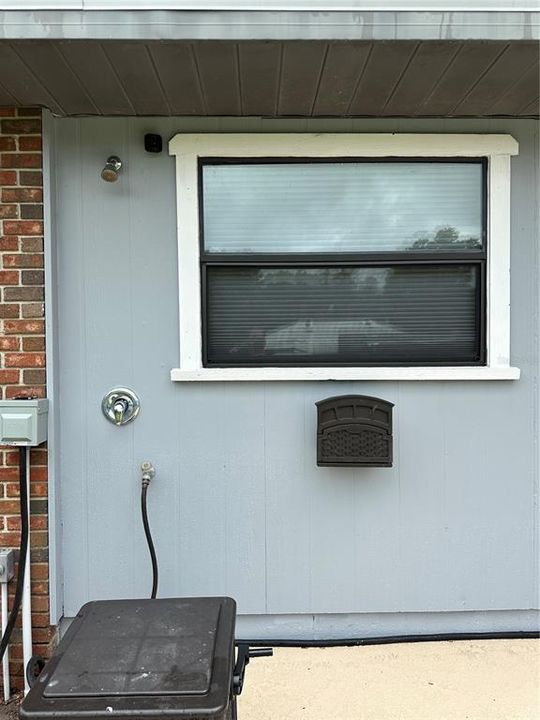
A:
<point x="478" y="259"/>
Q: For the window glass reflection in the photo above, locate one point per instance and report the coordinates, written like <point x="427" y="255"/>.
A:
<point x="408" y="313"/>
<point x="342" y="207"/>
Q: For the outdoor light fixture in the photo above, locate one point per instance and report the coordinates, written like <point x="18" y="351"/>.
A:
<point x="111" y="169"/>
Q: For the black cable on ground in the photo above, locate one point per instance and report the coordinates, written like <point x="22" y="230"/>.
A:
<point x="393" y="639"/>
<point x="148" y="534"/>
<point x="23" y="548"/>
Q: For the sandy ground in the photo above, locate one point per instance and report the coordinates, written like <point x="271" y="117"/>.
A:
<point x="11" y="710"/>
<point x="489" y="680"/>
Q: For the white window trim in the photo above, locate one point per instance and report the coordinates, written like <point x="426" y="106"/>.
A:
<point x="497" y="148"/>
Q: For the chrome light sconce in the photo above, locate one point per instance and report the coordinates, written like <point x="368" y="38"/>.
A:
<point x="111" y="169"/>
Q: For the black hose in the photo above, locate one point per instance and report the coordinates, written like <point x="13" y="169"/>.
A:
<point x="148" y="534"/>
<point x="392" y="639"/>
<point x="23" y="548"/>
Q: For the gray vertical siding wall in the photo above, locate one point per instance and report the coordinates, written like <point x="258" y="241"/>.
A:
<point x="238" y="505"/>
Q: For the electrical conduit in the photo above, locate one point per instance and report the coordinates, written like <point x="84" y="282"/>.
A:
<point x="22" y="586"/>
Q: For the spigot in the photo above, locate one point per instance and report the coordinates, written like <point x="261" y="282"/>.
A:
<point x="119" y="409"/>
<point x="148" y="472"/>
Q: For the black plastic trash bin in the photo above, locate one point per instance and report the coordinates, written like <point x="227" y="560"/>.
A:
<point x="169" y="658"/>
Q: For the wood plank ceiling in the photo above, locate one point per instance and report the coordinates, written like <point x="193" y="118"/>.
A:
<point x="273" y="79"/>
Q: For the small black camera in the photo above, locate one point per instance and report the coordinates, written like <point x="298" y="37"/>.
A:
<point x="153" y="143"/>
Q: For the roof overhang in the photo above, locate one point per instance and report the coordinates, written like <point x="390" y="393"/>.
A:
<point x="272" y="64"/>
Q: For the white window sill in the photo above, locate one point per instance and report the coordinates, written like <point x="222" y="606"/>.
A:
<point x="344" y="373"/>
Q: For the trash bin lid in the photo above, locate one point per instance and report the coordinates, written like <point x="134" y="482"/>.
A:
<point x="138" y="651"/>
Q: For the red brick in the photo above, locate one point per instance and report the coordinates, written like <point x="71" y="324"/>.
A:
<point x="9" y="242"/>
<point x="32" y="244"/>
<point x="15" y="671"/>
<point x="8" y="177"/>
<point x="24" y="360"/>
<point x="12" y="343"/>
<point x="16" y="651"/>
<point x="40" y="571"/>
<point x="16" y="675"/>
<point x="42" y="636"/>
<point x="33" y="344"/>
<point x="9" y="507"/>
<point x="28" y="195"/>
<point x="37" y="522"/>
<point x="24" y="294"/>
<point x="38" y="455"/>
<point x="11" y="457"/>
<point x="11" y="593"/>
<point x="39" y="474"/>
<point x="39" y="490"/>
<point x="31" y="177"/>
<point x="9" y="277"/>
<point x="23" y="327"/>
<point x="22" y="345"/>
<point x="39" y="588"/>
<point x="8" y="475"/>
<point x="13" y="391"/>
<point x="8" y="212"/>
<point x="20" y="127"/>
<point x="40" y="603"/>
<point x="31" y="212"/>
<point x="32" y="310"/>
<point x="32" y="277"/>
<point x="39" y="539"/>
<point x="23" y="227"/>
<point x="9" y="311"/>
<point x="7" y="377"/>
<point x="12" y="489"/>
<point x="30" y="142"/>
<point x="34" y="377"/>
<point x="20" y="160"/>
<point x="23" y="260"/>
<point x="40" y="620"/>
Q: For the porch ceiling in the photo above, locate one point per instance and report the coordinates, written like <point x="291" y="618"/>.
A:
<point x="403" y="78"/>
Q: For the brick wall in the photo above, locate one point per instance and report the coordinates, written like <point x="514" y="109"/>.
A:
<point x="22" y="347"/>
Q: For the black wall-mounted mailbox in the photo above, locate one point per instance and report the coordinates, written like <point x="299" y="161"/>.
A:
<point x="354" y="430"/>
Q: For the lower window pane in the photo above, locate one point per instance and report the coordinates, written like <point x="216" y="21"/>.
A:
<point x="410" y="314"/>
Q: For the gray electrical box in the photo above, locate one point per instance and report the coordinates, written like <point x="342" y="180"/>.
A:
<point x="23" y="422"/>
<point x="7" y="564"/>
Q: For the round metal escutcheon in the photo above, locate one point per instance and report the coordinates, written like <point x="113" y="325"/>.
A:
<point x="120" y="406"/>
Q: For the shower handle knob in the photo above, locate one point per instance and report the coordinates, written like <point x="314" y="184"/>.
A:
<point x="120" y="406"/>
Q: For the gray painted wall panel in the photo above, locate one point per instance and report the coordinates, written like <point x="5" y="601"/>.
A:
<point x="238" y="505"/>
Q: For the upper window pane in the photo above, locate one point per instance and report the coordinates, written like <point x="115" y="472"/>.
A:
<point x="329" y="207"/>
